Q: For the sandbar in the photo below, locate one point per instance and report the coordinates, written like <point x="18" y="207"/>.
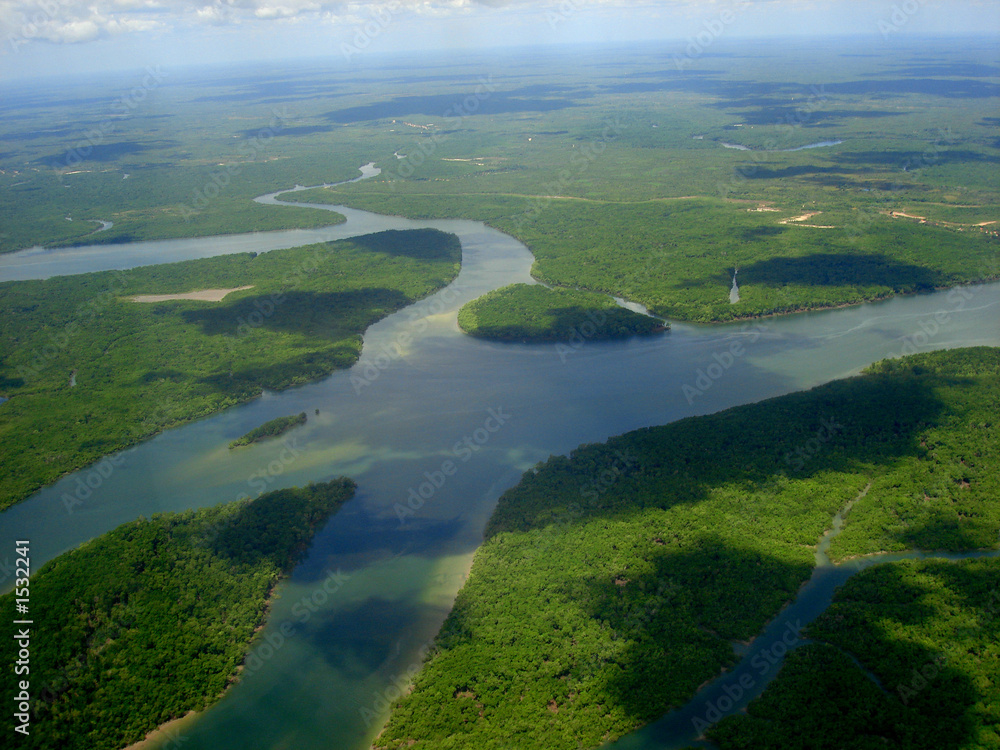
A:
<point x="205" y="295"/>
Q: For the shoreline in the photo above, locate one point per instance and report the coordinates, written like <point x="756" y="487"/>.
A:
<point x="194" y="418"/>
<point x="911" y="554"/>
<point x="88" y="239"/>
<point x="799" y="310"/>
<point x="345" y="201"/>
<point x="170" y="729"/>
<point x="669" y="324"/>
<point x="166" y="731"/>
<point x="669" y="321"/>
<point x="839" y="306"/>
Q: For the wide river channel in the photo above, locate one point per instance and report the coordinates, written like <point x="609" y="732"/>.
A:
<point x="350" y="623"/>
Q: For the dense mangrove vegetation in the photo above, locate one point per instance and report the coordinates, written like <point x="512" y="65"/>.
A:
<point x="154" y="618"/>
<point x="907" y="658"/>
<point x="677" y="256"/>
<point x="612" y="581"/>
<point x="271" y="428"/>
<point x="526" y="312"/>
<point x="648" y="204"/>
<point x="820" y="172"/>
<point x="89" y="371"/>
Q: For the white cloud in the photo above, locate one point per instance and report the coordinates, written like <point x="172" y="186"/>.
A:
<point x="213" y="14"/>
<point x="74" y="31"/>
<point x="76" y="21"/>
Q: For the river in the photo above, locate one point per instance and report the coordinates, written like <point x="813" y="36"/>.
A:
<point x="818" y="144"/>
<point x="351" y="620"/>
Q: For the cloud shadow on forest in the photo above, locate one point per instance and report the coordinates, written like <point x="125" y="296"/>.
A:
<point x="840" y="269"/>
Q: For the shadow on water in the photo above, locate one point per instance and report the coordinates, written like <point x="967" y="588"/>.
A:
<point x="355" y="640"/>
<point x="365" y="540"/>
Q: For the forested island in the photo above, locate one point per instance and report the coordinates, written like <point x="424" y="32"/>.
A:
<point x="140" y="367"/>
<point x="612" y="581"/>
<point x="153" y="619"/>
<point x="270" y="429"/>
<point x="532" y="312"/>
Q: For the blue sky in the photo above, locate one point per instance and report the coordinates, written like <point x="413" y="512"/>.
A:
<point x="45" y="37"/>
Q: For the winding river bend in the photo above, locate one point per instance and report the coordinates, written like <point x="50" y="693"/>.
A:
<point x="350" y="622"/>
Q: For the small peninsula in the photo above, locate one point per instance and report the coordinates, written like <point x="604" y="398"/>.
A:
<point x="153" y="619"/>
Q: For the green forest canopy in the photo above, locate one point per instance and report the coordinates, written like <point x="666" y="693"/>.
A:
<point x="925" y="635"/>
<point x="532" y="312"/>
<point x="677" y="256"/>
